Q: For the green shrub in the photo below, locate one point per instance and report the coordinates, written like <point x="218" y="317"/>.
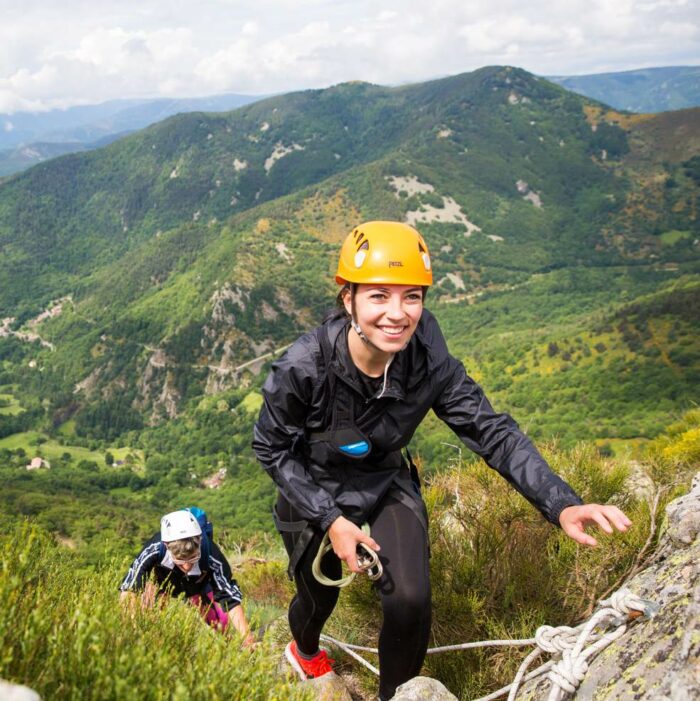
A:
<point x="64" y="634"/>
<point x="499" y="571"/>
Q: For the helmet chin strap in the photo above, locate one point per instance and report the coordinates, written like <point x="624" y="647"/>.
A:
<point x="355" y="325"/>
<point x="360" y="332"/>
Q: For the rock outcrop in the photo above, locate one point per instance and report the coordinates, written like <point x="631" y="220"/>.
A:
<point x="658" y="659"/>
<point x="329" y="687"/>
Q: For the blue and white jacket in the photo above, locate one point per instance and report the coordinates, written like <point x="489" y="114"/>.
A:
<point x="211" y="574"/>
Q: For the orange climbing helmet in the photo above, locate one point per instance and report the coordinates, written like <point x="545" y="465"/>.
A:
<point x="384" y="252"/>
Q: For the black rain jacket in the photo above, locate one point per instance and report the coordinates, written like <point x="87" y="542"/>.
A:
<point x="310" y="385"/>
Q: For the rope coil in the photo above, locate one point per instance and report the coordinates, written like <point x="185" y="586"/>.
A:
<point x="568" y="644"/>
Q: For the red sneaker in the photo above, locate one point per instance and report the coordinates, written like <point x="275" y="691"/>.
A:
<point x="317" y="666"/>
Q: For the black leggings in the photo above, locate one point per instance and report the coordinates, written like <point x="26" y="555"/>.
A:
<point x="404" y="590"/>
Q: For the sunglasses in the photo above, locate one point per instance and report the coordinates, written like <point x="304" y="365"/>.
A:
<point x="191" y="561"/>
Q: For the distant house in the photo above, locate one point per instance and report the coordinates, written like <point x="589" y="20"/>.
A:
<point x="38" y="463"/>
<point x="216" y="480"/>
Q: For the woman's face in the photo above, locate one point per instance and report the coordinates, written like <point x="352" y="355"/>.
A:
<point x="387" y="314"/>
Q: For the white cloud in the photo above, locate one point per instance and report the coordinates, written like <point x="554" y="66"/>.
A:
<point x="78" y="51"/>
<point x="679" y="30"/>
<point x="249" y="29"/>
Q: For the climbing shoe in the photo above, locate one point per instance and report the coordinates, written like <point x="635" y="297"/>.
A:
<point x="317" y="666"/>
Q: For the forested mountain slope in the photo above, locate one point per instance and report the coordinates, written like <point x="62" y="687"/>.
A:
<point x="149" y="280"/>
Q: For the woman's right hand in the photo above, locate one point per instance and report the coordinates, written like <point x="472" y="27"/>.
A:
<point x="344" y="536"/>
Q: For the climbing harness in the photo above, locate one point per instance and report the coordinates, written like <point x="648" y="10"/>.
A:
<point x="367" y="561"/>
<point x="573" y="647"/>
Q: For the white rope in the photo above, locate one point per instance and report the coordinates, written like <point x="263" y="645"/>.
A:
<point x="433" y="650"/>
<point x="349" y="649"/>
<point x="531" y="675"/>
<point x="569" y="671"/>
<point x="482" y="643"/>
<point x="567" y="643"/>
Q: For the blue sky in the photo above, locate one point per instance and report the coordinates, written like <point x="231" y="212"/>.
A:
<point x="86" y="51"/>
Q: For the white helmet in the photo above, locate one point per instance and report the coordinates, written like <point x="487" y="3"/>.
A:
<point x="177" y="525"/>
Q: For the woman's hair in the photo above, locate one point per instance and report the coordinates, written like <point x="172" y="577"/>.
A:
<point x="340" y="297"/>
<point x="185" y="548"/>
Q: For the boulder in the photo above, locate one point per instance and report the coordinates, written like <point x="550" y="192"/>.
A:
<point x="423" y="689"/>
<point x="329" y="687"/>
<point x="17" y="692"/>
<point x="683" y="516"/>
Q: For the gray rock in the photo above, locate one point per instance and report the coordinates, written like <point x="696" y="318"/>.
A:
<point x="423" y="689"/>
<point x="684" y="516"/>
<point x="16" y="692"/>
<point x="657" y="659"/>
<point x="329" y="687"/>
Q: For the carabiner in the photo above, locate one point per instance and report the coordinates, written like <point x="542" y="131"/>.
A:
<point x="368" y="562"/>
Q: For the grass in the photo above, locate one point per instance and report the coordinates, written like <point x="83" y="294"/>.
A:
<point x="624" y="448"/>
<point x="669" y="238"/>
<point x="13" y="406"/>
<point x="52" y="450"/>
<point x="63" y="633"/>
<point x="67" y="428"/>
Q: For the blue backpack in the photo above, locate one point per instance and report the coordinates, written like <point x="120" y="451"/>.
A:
<point x="204" y="523"/>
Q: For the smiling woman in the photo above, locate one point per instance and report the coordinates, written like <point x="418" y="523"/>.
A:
<point x="339" y="408"/>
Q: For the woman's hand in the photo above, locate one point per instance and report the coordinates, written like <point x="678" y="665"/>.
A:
<point x="344" y="536"/>
<point x="574" y="519"/>
<point x="241" y="625"/>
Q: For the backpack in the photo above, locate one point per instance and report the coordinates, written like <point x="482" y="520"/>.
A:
<point x="204" y="523"/>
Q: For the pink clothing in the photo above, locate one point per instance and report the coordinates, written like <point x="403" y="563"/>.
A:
<point x="212" y="613"/>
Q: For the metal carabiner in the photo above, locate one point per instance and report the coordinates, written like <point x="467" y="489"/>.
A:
<point x="368" y="562"/>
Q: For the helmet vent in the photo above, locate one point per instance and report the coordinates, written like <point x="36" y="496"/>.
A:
<point x="421" y="247"/>
<point x="360" y="238"/>
<point x="364" y="246"/>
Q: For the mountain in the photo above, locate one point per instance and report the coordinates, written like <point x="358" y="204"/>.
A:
<point x="20" y="158"/>
<point x="27" y="138"/>
<point x="642" y="90"/>
<point x="173" y="262"/>
<point x="146" y="286"/>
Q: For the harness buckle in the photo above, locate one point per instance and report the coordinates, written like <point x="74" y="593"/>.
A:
<point x="368" y="562"/>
